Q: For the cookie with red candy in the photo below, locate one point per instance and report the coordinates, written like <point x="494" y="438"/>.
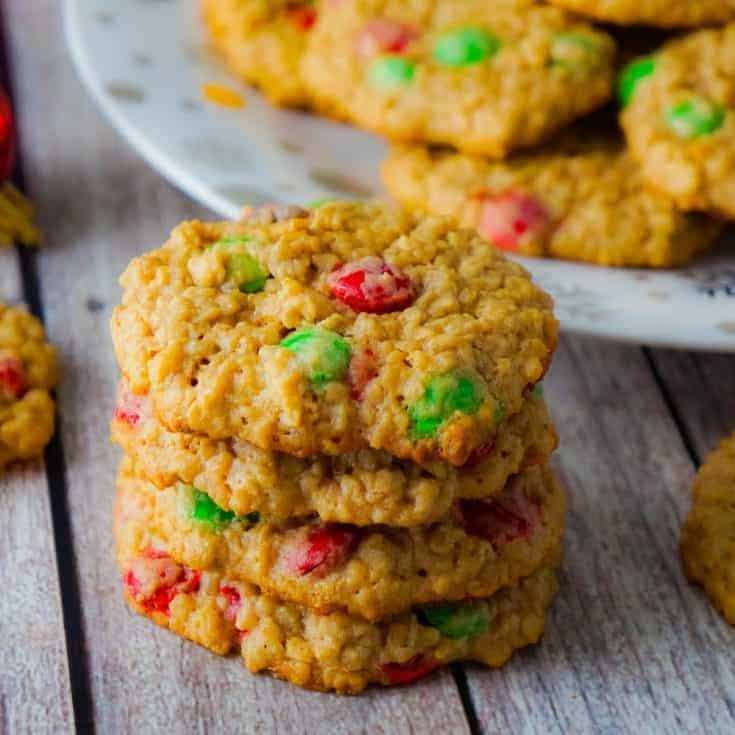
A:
<point x="28" y="374"/>
<point x="333" y="330"/>
<point x="319" y="649"/>
<point x="583" y="196"/>
<point x="370" y="572"/>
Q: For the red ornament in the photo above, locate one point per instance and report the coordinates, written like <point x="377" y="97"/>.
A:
<point x="321" y="550"/>
<point x="233" y="601"/>
<point x="13" y="379"/>
<point x="513" y="220"/>
<point x="7" y="137"/>
<point x="415" y="668"/>
<point x="371" y="285"/>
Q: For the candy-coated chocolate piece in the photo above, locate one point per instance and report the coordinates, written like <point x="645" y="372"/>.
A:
<point x="513" y="219"/>
<point x="371" y="285"/>
<point x="13" y="379"/>
<point x="385" y="36"/>
<point x="205" y="510"/>
<point x="444" y="395"/>
<point x="694" y="117"/>
<point x="391" y="72"/>
<point x="413" y="669"/>
<point x="324" y="355"/>
<point x="322" y="549"/>
<point x="242" y="267"/>
<point x="497" y="521"/>
<point x="455" y="620"/>
<point x="466" y="46"/>
<point x="633" y="74"/>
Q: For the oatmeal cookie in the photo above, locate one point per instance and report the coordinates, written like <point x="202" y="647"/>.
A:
<point x="486" y="78"/>
<point x="27" y="375"/>
<point x="362" y="488"/>
<point x="263" y="41"/>
<point x="371" y="572"/>
<point x="333" y="330"/>
<point x="582" y="197"/>
<point x="333" y="651"/>
<point x="662" y="13"/>
<point x="679" y="119"/>
<point x="708" y="536"/>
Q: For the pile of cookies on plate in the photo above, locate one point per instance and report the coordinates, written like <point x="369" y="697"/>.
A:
<point x="336" y="444"/>
<point x="488" y="106"/>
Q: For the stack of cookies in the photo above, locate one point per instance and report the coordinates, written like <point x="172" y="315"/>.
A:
<point x="336" y="444"/>
<point x="488" y="106"/>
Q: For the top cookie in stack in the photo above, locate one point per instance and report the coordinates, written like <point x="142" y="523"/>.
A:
<point x="336" y="413"/>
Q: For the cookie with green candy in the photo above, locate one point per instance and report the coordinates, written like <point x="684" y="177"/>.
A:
<point x="319" y="649"/>
<point x="487" y="78"/>
<point x="371" y="571"/>
<point x="333" y="330"/>
<point x="679" y="120"/>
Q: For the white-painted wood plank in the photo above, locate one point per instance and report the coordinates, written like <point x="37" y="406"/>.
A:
<point x="103" y="206"/>
<point x="35" y="695"/>
<point x="631" y="646"/>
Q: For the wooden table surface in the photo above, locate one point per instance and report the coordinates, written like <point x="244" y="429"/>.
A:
<point x="631" y="647"/>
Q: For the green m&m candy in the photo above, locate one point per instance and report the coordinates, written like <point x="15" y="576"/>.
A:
<point x="444" y="395"/>
<point x="454" y="621"/>
<point x="575" y="50"/>
<point x="466" y="46"/>
<point x="324" y="355"/>
<point x="391" y="72"/>
<point x="632" y="75"/>
<point x="242" y="267"/>
<point x="204" y="510"/>
<point x="694" y="117"/>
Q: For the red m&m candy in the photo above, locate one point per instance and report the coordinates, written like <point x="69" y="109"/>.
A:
<point x="129" y="407"/>
<point x="415" y="668"/>
<point x="371" y="285"/>
<point x="321" y="550"/>
<point x="513" y="220"/>
<point x="303" y="17"/>
<point x="13" y="379"/>
<point x="383" y="36"/>
<point x="500" y="522"/>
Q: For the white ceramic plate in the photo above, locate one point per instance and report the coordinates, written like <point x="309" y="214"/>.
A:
<point x="145" y="62"/>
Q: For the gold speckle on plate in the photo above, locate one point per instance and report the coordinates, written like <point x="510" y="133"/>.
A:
<point x="727" y="327"/>
<point x="125" y="92"/>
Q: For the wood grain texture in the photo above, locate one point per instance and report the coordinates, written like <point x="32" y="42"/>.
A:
<point x="34" y="681"/>
<point x="701" y="391"/>
<point x="102" y="206"/>
<point x="631" y="646"/>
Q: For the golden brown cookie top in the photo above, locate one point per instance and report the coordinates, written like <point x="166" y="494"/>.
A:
<point x="332" y="330"/>
<point x="27" y="374"/>
<point x="582" y="196"/>
<point x="484" y="77"/>
<point x="679" y="119"/>
<point x="708" y="536"/>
